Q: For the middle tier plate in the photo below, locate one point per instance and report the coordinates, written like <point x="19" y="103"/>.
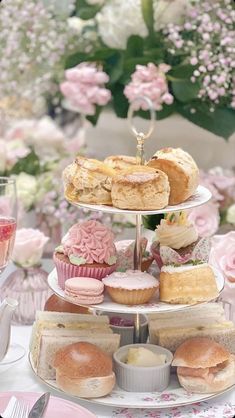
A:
<point x="109" y="306"/>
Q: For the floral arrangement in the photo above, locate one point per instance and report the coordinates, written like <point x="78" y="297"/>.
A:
<point x="179" y="53"/>
<point x="28" y="247"/>
<point x="218" y="213"/>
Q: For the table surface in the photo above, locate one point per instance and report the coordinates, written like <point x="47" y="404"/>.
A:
<point x="20" y="377"/>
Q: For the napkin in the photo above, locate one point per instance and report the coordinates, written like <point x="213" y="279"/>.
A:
<point x="10" y="407"/>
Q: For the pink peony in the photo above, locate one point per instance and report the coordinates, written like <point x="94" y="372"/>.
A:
<point x="84" y="88"/>
<point x="149" y="81"/>
<point x="206" y="219"/>
<point x="28" y="248"/>
<point x="223" y="254"/>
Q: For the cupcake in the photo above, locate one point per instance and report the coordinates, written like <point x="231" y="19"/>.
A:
<point x="131" y="287"/>
<point x="87" y="250"/>
<point x="125" y="255"/>
<point x="175" y="232"/>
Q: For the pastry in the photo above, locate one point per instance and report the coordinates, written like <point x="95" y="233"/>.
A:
<point x="120" y="162"/>
<point x="88" y="181"/>
<point x="56" y="304"/>
<point x="130" y="288"/>
<point x="140" y="188"/>
<point x="204" y="366"/>
<point x="182" y="172"/>
<point x="84" y="370"/>
<point x="187" y="284"/>
<point x="125" y="255"/>
<point x="87" y="250"/>
<point x="84" y="290"/>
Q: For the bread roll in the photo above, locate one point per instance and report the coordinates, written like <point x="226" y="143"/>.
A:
<point x="182" y="172"/>
<point x="187" y="284"/>
<point x="204" y="366"/>
<point x="120" y="162"/>
<point x="88" y="181"/>
<point x="84" y="370"/>
<point x="140" y="188"/>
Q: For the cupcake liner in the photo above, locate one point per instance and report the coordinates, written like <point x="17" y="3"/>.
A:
<point x="155" y="250"/>
<point x="130" y="297"/>
<point x="67" y="271"/>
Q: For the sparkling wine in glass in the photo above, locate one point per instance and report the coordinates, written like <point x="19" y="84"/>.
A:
<point x="8" y="214"/>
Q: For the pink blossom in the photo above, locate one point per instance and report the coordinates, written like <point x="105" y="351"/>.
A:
<point x="223" y="254"/>
<point x="206" y="219"/>
<point x="149" y="81"/>
<point x="84" y="88"/>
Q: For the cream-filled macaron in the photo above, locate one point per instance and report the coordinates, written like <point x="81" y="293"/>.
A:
<point x="84" y="290"/>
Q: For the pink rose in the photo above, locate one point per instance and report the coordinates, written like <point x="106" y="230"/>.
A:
<point x="28" y="248"/>
<point x="223" y="254"/>
<point x="206" y="219"/>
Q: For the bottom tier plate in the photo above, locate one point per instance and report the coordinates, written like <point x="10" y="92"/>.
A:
<point x="173" y="396"/>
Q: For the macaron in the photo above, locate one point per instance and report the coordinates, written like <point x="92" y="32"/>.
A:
<point x="84" y="290"/>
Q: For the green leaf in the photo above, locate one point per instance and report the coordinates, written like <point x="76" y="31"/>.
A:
<point x="185" y="90"/>
<point x="221" y="122"/>
<point x="151" y="221"/>
<point x="114" y="67"/>
<point x="86" y="11"/>
<point x="94" y="118"/>
<point x="166" y="111"/>
<point x="29" y="164"/>
<point x="120" y="102"/>
<point x="135" y="46"/>
<point x="75" y="59"/>
<point x="181" y="72"/>
<point x="148" y="15"/>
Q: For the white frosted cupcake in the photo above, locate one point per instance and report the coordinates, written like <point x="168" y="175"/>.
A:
<point x="131" y="287"/>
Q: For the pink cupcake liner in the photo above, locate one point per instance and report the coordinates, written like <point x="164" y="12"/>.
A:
<point x="156" y="255"/>
<point x="67" y="271"/>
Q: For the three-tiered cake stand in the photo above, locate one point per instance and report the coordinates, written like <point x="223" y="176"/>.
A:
<point x="174" y="395"/>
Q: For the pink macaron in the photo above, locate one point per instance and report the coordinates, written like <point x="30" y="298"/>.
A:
<point x="84" y="290"/>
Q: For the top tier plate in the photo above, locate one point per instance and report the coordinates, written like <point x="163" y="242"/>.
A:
<point x="201" y="196"/>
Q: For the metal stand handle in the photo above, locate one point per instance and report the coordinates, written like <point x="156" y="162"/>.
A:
<point x="141" y="138"/>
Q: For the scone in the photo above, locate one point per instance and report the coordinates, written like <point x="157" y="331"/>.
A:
<point x="187" y="284"/>
<point x="140" y="188"/>
<point x="88" y="181"/>
<point x="182" y="172"/>
<point x="120" y="162"/>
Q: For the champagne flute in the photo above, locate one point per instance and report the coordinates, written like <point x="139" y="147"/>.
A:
<point x="8" y="217"/>
<point x="8" y="221"/>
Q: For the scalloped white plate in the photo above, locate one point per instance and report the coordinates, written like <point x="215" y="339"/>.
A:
<point x="173" y="396"/>
<point x="201" y="196"/>
<point x="108" y="305"/>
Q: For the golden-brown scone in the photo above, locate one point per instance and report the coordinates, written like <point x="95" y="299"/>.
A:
<point x="187" y="284"/>
<point x="88" y="181"/>
<point x="140" y="188"/>
<point x="182" y="172"/>
<point x="120" y="162"/>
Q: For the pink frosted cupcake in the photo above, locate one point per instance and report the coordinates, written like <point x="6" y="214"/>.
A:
<point x="87" y="250"/>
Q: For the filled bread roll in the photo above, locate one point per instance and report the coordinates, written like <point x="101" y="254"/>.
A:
<point x="84" y="370"/>
<point x="120" y="162"/>
<point x="182" y="172"/>
<point x="187" y="284"/>
<point x="88" y="181"/>
<point x="140" y="188"/>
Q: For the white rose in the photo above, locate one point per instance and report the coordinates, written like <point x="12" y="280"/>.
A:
<point x="230" y="217"/>
<point x="2" y="155"/>
<point x="26" y="186"/>
<point x="169" y="11"/>
<point x="118" y="20"/>
<point x="47" y="140"/>
<point x="15" y="150"/>
<point x="28" y="247"/>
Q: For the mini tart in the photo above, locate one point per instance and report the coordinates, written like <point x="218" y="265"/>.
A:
<point x="140" y="188"/>
<point x="67" y="270"/>
<point x="130" y="288"/>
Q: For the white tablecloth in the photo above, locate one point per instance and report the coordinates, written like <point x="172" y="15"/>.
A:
<point x="21" y="378"/>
